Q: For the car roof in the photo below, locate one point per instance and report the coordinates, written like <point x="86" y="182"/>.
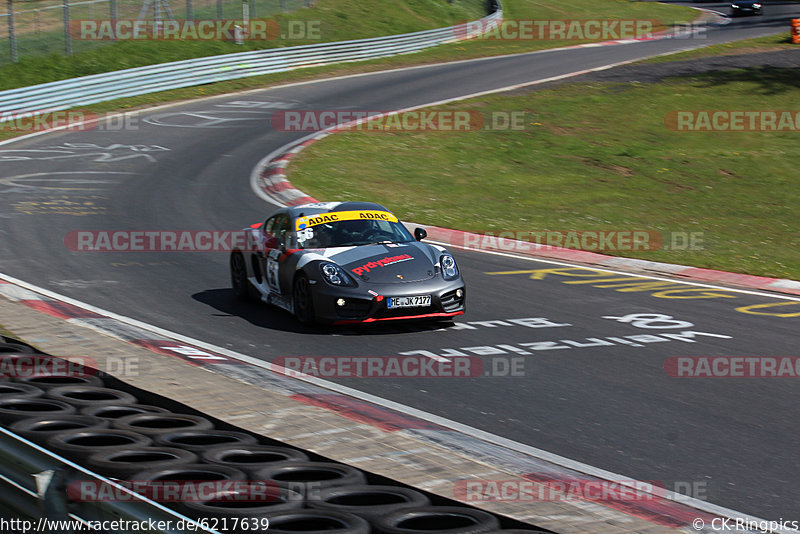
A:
<point x="327" y="207"/>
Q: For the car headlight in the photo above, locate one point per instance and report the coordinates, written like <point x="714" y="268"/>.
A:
<point x="449" y="267"/>
<point x="334" y="275"/>
<point x="756" y="6"/>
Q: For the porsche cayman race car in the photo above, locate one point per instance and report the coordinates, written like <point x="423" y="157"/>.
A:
<point x="346" y="262"/>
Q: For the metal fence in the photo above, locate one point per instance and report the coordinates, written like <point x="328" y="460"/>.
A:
<point x="89" y="90"/>
<point x="33" y="484"/>
<point x="29" y="27"/>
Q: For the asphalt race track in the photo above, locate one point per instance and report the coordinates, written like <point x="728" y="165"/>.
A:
<point x="589" y="391"/>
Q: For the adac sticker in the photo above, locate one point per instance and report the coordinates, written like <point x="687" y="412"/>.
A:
<point x="335" y="216"/>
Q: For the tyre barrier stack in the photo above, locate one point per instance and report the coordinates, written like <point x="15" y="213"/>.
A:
<point x="238" y="479"/>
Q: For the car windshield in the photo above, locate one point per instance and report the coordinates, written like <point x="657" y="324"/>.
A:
<point x="352" y="233"/>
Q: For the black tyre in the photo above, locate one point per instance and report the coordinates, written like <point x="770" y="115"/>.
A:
<point x="15" y="348"/>
<point x="161" y="423"/>
<point x="244" y="504"/>
<point x="12" y="389"/>
<point x="302" y="301"/>
<point x="80" y="444"/>
<point x="187" y="482"/>
<point x="124" y="462"/>
<point x="13" y="409"/>
<point x="518" y="531"/>
<point x="118" y="411"/>
<point x="239" y="281"/>
<point x="443" y="519"/>
<point x="318" y="522"/>
<point x="58" y="380"/>
<point x="252" y="458"/>
<point x="369" y="502"/>
<point x="200" y="441"/>
<point x="190" y="472"/>
<point x="90" y="395"/>
<point x="40" y="429"/>
<point x="309" y="478"/>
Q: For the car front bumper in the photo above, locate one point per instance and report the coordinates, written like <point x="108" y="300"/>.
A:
<point x="366" y="304"/>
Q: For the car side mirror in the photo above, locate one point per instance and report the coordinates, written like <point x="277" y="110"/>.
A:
<point x="420" y="234"/>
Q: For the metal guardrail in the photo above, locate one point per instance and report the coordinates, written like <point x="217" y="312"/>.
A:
<point x="67" y="94"/>
<point x="34" y="481"/>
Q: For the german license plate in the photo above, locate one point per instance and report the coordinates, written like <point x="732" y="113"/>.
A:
<point x="408" y="302"/>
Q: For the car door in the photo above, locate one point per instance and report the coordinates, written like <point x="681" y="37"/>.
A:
<point x="275" y="252"/>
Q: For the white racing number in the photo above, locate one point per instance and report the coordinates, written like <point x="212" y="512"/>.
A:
<point x="305" y="234"/>
<point x="272" y="270"/>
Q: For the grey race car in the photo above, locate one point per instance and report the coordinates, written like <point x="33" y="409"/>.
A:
<point x="346" y="262"/>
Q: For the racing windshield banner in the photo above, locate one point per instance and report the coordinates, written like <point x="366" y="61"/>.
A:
<point x="336" y="216"/>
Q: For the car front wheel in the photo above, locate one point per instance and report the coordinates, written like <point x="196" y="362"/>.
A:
<point x="303" y="303"/>
<point x="239" y="281"/>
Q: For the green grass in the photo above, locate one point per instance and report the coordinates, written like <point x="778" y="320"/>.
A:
<point x="781" y="41"/>
<point x="337" y="20"/>
<point x="594" y="156"/>
<point x="34" y="70"/>
<point x="341" y="20"/>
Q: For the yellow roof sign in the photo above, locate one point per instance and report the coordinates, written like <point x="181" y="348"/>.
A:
<point x="336" y="216"/>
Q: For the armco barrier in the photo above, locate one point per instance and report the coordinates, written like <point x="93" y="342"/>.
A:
<point x="33" y="481"/>
<point x="66" y="94"/>
<point x="43" y="491"/>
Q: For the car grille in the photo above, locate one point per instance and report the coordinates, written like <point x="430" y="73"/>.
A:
<point x="406" y="312"/>
<point x="354" y="309"/>
<point x="450" y="302"/>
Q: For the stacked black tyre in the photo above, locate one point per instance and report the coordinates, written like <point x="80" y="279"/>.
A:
<point x="226" y="479"/>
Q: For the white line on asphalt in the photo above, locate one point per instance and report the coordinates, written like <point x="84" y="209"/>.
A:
<point x="625" y="273"/>
<point x="402" y="408"/>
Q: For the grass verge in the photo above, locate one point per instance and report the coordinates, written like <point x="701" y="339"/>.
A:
<point x="770" y="43"/>
<point x="594" y="156"/>
<point x="341" y="20"/>
<point x="39" y="70"/>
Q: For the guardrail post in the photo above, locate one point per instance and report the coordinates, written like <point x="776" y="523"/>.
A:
<point x="67" y="39"/>
<point x="219" y="9"/>
<point x="12" y="37"/>
<point x="51" y="486"/>
<point x="189" y="10"/>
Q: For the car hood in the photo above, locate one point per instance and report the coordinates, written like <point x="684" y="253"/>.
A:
<point x="389" y="263"/>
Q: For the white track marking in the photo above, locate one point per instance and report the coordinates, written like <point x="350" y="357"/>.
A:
<point x="625" y="273"/>
<point x="408" y="410"/>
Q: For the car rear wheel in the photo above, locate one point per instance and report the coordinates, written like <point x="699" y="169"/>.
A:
<point x="302" y="301"/>
<point x="239" y="281"/>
